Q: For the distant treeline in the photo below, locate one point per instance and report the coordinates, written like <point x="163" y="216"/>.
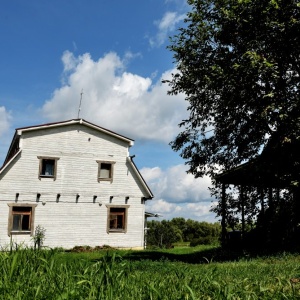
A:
<point x="164" y="233"/>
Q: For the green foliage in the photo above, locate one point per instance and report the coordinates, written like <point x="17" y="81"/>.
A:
<point x="238" y="65"/>
<point x="39" y="236"/>
<point x="28" y="274"/>
<point x="205" y="240"/>
<point x="274" y="226"/>
<point x="251" y="200"/>
<point x="162" y="234"/>
<point x="165" y="233"/>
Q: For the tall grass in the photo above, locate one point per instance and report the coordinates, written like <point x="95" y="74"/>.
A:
<point x="28" y="274"/>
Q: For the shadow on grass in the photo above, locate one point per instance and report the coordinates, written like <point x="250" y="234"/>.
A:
<point x="196" y="257"/>
<point x="217" y="254"/>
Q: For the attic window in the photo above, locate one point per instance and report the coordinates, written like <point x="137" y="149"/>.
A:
<point x="48" y="167"/>
<point x="105" y="170"/>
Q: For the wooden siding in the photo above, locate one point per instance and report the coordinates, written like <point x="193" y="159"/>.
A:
<point x="73" y="221"/>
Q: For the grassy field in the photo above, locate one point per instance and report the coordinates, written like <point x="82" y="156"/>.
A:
<point x="179" y="273"/>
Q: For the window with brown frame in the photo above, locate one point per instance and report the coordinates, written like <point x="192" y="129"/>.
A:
<point x="117" y="219"/>
<point x="21" y="218"/>
<point x="105" y="170"/>
<point x="48" y="167"/>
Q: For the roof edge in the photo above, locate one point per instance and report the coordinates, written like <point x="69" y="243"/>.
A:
<point x="130" y="160"/>
<point x="6" y="164"/>
<point x="75" y="121"/>
<point x="152" y="215"/>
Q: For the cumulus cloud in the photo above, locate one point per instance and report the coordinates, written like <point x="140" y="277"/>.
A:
<point x="4" y="120"/>
<point x="69" y="61"/>
<point x="176" y="186"/>
<point x="165" y="26"/>
<point x="200" y="209"/>
<point x="152" y="174"/>
<point x="139" y="108"/>
<point x="116" y="99"/>
<point x="178" y="194"/>
<point x="163" y="206"/>
<point x="196" y="211"/>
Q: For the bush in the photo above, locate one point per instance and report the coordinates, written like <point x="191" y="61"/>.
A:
<point x="39" y="237"/>
<point x="205" y="240"/>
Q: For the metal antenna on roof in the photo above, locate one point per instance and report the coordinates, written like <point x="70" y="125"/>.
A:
<point x="79" y="109"/>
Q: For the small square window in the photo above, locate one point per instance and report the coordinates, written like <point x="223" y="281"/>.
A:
<point x="20" y="219"/>
<point x="48" y="166"/>
<point x="105" y="170"/>
<point x="117" y="219"/>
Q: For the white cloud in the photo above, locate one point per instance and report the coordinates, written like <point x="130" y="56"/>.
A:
<point x="129" y="56"/>
<point x="113" y="98"/>
<point x="195" y="211"/>
<point x="168" y="21"/>
<point x="165" y="26"/>
<point x="199" y="209"/>
<point x="4" y="120"/>
<point x="69" y="61"/>
<point x="161" y="206"/>
<point x="178" y="194"/>
<point x="176" y="186"/>
<point x="151" y="174"/>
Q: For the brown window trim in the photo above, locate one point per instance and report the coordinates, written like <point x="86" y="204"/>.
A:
<point x="41" y="158"/>
<point x="112" y="163"/>
<point x="10" y="218"/>
<point x="109" y="206"/>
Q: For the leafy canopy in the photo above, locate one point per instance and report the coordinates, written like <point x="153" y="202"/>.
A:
<point x="238" y="64"/>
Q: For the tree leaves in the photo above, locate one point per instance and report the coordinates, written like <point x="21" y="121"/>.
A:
<point x="238" y="64"/>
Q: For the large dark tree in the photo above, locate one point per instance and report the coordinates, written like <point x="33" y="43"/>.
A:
<point x="238" y="64"/>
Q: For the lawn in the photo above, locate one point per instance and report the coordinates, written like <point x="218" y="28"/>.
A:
<point x="179" y="273"/>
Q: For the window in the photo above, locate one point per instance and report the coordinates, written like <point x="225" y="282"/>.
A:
<point x="48" y="166"/>
<point x="105" y="170"/>
<point x="117" y="218"/>
<point x="21" y="218"/>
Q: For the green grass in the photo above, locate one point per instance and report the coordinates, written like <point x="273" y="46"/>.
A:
<point x="179" y="273"/>
<point x="181" y="244"/>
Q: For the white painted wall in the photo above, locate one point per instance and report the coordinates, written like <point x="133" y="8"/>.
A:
<point x="68" y="223"/>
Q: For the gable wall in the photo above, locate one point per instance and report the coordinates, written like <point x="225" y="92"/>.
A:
<point x="70" y="222"/>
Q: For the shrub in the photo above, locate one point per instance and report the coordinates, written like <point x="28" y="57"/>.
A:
<point x="205" y="240"/>
<point x="39" y="236"/>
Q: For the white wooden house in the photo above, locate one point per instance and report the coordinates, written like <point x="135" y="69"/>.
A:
<point x="76" y="180"/>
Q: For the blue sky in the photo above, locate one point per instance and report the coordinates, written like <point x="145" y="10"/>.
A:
<point x="115" y="51"/>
